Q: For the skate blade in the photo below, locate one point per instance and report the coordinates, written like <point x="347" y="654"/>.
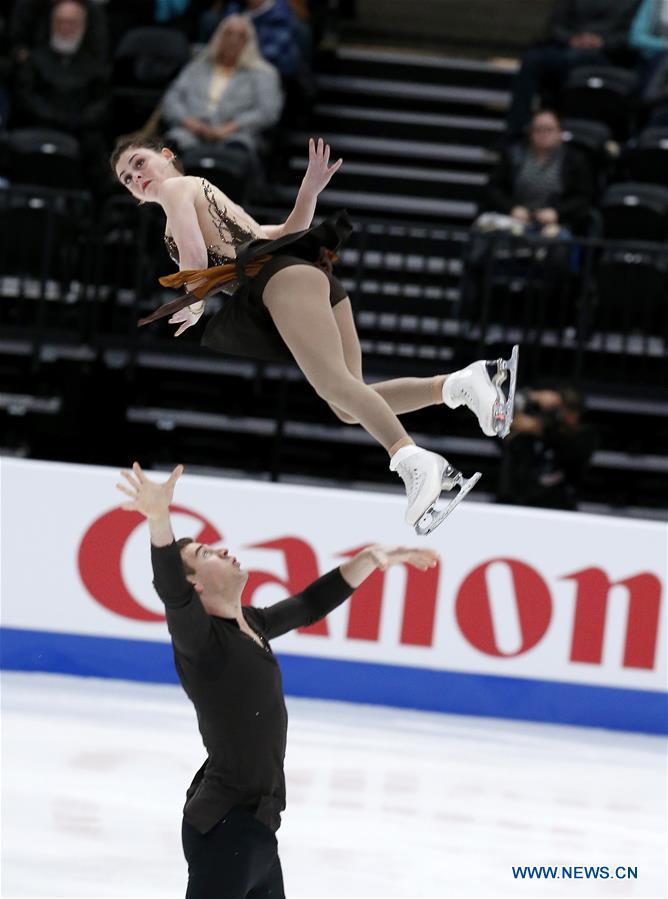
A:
<point x="502" y="417"/>
<point x="431" y="519"/>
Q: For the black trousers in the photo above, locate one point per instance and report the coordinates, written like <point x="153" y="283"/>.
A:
<point x="236" y="859"/>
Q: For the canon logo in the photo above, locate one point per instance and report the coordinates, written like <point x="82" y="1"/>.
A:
<point x="101" y="548"/>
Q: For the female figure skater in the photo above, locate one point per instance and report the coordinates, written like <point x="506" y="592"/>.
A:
<point x="285" y="307"/>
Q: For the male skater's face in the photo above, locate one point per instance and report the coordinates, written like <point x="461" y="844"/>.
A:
<point x="216" y="571"/>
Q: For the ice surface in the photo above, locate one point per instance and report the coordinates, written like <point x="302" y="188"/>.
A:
<point x="381" y="802"/>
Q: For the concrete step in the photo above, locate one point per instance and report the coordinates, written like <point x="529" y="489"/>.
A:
<point x="410" y="95"/>
<point x="426" y="68"/>
<point x="445" y="184"/>
<point x="400" y="123"/>
<point x="385" y="149"/>
<point x="456" y="25"/>
<point x="393" y="205"/>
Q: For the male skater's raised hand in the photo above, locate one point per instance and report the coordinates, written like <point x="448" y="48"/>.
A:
<point x="151" y="500"/>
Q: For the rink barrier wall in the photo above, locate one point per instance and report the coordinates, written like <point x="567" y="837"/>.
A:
<point x="530" y="614"/>
<point x="392" y="685"/>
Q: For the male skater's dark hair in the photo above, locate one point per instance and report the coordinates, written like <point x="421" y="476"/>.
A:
<point x="180" y="543"/>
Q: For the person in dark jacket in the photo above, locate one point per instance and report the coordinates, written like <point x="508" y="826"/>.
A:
<point x="579" y="33"/>
<point x="549" y="450"/>
<point x="63" y="86"/>
<point x="228" y="670"/>
<point x="541" y="183"/>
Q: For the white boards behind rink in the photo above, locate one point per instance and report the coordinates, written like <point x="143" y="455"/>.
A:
<point x="531" y="614"/>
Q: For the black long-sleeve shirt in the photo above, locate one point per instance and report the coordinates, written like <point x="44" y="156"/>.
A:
<point x="67" y="92"/>
<point x="236" y="688"/>
<point x="611" y="19"/>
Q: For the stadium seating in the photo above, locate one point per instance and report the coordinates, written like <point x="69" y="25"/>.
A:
<point x="41" y="156"/>
<point x="602" y="93"/>
<point x="647" y="159"/>
<point x="145" y="62"/>
<point x="635" y="211"/>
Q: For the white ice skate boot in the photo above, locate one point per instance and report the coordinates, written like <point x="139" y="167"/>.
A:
<point x="425" y="474"/>
<point x="474" y="388"/>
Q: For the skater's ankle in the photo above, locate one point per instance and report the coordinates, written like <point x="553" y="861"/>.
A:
<point x="400" y="444"/>
<point x="405" y="452"/>
<point x="437" y="385"/>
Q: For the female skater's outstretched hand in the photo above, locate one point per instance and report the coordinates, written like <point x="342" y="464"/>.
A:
<point x="385" y="556"/>
<point x="186" y="318"/>
<point x="150" y="499"/>
<point x="319" y="171"/>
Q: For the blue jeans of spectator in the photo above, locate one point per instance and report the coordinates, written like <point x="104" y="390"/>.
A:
<point x="545" y="69"/>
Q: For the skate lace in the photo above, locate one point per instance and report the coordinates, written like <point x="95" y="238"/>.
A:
<point x="412" y="478"/>
<point x="470" y="398"/>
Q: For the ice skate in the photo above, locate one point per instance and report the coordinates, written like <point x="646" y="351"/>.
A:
<point x="425" y="475"/>
<point x="482" y="393"/>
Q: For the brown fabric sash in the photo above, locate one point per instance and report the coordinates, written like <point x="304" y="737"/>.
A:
<point x="207" y="281"/>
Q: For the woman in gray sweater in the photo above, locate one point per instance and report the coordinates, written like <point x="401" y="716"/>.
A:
<point x="228" y="93"/>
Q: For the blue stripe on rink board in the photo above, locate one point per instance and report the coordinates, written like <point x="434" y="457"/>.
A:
<point x="393" y="685"/>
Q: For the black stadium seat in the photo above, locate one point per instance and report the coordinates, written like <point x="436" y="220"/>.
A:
<point x="648" y="157"/>
<point x="150" y="57"/>
<point x="592" y="139"/>
<point x="602" y="93"/>
<point x="632" y="290"/>
<point x="229" y="168"/>
<point x="633" y="281"/>
<point x="145" y="62"/>
<point x="635" y="211"/>
<point x="43" y="157"/>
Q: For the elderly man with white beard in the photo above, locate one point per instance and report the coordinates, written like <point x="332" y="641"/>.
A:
<point x="64" y="86"/>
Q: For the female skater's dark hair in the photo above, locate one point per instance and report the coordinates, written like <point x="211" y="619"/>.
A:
<point x="141" y="143"/>
<point x="184" y="541"/>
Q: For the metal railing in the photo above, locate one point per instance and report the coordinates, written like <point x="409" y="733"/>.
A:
<point x="584" y="308"/>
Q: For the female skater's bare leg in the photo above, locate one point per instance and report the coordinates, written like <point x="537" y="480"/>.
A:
<point x="401" y="394"/>
<point x="471" y="386"/>
<point x="298" y="301"/>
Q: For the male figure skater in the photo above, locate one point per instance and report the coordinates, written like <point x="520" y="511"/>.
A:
<point x="229" y="672"/>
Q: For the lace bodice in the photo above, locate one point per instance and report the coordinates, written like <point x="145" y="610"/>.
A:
<point x="224" y="227"/>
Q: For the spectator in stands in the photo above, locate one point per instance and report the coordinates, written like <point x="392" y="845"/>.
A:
<point x="548" y="451"/>
<point x="30" y="27"/>
<point x="649" y="29"/>
<point x="649" y="35"/>
<point x="283" y="40"/>
<point x="541" y="184"/>
<point x="580" y="32"/>
<point x="228" y="94"/>
<point x="63" y="86"/>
